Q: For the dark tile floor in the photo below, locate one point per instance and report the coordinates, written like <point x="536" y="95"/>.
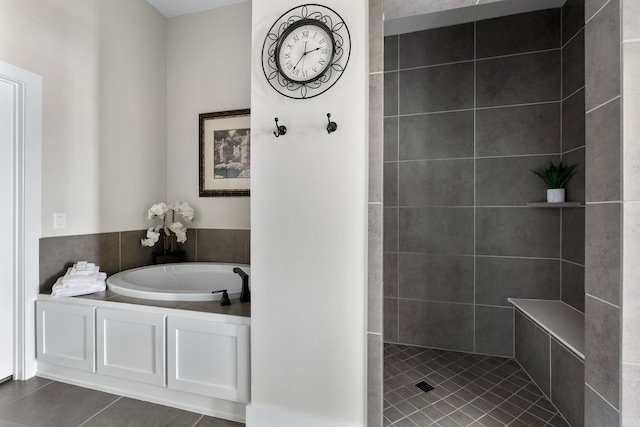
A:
<point x="470" y="390"/>
<point x="43" y="403"/>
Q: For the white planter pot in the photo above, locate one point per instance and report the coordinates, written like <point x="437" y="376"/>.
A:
<point x="555" y="195"/>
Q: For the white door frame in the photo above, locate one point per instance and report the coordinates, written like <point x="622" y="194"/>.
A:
<point x="27" y="212"/>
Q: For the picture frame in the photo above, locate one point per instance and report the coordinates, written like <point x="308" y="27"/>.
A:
<point x="225" y="153"/>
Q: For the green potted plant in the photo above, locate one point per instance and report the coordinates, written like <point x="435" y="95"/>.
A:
<point x="556" y="177"/>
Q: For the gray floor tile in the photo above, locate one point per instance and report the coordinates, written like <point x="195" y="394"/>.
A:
<point x="4" y="423"/>
<point x="136" y="413"/>
<point x="56" y="405"/>
<point x="14" y="390"/>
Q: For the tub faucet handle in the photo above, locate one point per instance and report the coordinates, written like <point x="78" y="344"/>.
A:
<point x="245" y="295"/>
<point x="225" y="297"/>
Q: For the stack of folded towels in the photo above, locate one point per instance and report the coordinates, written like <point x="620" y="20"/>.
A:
<point x="81" y="279"/>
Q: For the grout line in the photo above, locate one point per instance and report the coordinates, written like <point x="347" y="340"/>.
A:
<point x="507" y="156"/>
<point x="572" y="37"/>
<point x="423" y="67"/>
<point x="601" y="300"/>
<point x="491" y="107"/>
<point x="603" y="104"/>
<point x="475" y="170"/>
<point x="101" y="410"/>
<point x="605" y="202"/>
<point x="571" y="262"/>
<point x="602" y="397"/>
<point x="398" y="212"/>
<point x="574" y="149"/>
<point x="198" y="420"/>
<point x="597" y="12"/>
<point x="29" y="394"/>
<point x="533" y="52"/>
<point x="575" y="92"/>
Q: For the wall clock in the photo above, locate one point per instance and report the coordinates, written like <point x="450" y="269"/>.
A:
<point x="306" y="51"/>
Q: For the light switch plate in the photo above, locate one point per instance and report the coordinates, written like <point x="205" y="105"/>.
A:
<point x="59" y="220"/>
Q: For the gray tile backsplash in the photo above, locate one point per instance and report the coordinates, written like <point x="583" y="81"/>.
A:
<point x="119" y="251"/>
<point x="463" y="238"/>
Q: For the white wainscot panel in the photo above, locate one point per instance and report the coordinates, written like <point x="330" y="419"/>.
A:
<point x="66" y="335"/>
<point x="131" y="345"/>
<point x="208" y="358"/>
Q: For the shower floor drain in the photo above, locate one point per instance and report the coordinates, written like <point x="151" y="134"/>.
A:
<point x="426" y="387"/>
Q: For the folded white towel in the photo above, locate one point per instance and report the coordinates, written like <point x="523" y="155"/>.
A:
<point x="70" y="278"/>
<point x="75" y="272"/>
<point x="84" y="265"/>
<point x="61" y="290"/>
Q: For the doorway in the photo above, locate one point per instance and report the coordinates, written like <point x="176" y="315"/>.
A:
<point x="21" y="187"/>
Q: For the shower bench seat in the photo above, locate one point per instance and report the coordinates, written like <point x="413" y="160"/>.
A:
<point x="549" y="345"/>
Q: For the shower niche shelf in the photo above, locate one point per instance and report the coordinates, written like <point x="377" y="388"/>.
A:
<point x="554" y="205"/>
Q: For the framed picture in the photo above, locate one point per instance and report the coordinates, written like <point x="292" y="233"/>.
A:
<point x="225" y="154"/>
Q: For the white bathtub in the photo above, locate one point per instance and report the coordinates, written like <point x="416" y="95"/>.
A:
<point x="189" y="281"/>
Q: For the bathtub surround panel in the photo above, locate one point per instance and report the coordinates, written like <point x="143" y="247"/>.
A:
<point x="59" y="253"/>
<point x="463" y="236"/>
<point x="115" y="252"/>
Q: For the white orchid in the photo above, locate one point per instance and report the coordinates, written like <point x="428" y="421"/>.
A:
<point x="157" y="211"/>
<point x="162" y="211"/>
<point x="152" y="237"/>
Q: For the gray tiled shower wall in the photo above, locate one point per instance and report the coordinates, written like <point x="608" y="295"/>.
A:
<point x="469" y="111"/>
<point x="118" y="251"/>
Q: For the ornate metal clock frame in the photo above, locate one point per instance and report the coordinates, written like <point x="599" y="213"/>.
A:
<point x="326" y="17"/>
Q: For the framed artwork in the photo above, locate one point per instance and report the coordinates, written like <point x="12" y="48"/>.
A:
<point x="225" y="154"/>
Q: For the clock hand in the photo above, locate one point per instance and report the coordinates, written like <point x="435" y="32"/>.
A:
<point x="305" y="48"/>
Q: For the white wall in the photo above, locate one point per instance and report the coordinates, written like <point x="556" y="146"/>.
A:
<point x="104" y="112"/>
<point x="308" y="230"/>
<point x="209" y="69"/>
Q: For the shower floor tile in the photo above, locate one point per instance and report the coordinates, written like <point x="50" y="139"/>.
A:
<point x="469" y="390"/>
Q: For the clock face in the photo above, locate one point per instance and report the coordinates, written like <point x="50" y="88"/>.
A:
<point x="305" y="51"/>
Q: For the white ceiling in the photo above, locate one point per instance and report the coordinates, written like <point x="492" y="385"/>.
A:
<point x="171" y="8"/>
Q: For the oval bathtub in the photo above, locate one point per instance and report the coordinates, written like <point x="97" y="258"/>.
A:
<point x="189" y="281"/>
